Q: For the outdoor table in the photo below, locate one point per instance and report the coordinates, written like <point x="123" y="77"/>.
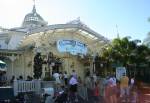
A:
<point x="6" y="93"/>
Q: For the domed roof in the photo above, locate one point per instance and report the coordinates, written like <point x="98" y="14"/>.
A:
<point x="33" y="19"/>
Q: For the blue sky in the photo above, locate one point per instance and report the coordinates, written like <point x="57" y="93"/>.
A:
<point x="131" y="16"/>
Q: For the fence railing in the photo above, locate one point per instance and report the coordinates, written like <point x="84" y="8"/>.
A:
<point x="22" y="86"/>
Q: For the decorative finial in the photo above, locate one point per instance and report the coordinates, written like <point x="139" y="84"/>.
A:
<point x="117" y="31"/>
<point x="34" y="9"/>
<point x="33" y="2"/>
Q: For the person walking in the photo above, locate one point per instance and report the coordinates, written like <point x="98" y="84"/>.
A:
<point x="65" y="78"/>
<point x="124" y="86"/>
<point x="56" y="76"/>
<point x="74" y="74"/>
<point x="88" y="86"/>
<point x="134" y="97"/>
<point x="131" y="83"/>
<point x="108" y="92"/>
<point x="96" y="93"/>
<point x="94" y="77"/>
<point x="113" y="88"/>
<point x="73" y="83"/>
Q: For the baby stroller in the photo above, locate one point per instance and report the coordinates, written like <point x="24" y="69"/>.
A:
<point x="61" y="96"/>
<point x="48" y="94"/>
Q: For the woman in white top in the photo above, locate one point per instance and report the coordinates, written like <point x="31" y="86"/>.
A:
<point x="113" y="87"/>
<point x="56" y="76"/>
<point x="131" y="82"/>
<point x="65" y="78"/>
<point x="73" y="87"/>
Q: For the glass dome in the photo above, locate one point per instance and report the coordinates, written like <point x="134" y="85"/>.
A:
<point x="33" y="19"/>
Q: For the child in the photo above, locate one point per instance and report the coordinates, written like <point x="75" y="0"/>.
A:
<point x="61" y="97"/>
<point x="108" y="93"/>
<point x="96" y="93"/>
<point x="134" y="96"/>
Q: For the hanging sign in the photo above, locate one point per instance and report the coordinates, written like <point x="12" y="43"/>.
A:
<point x="72" y="46"/>
<point x="120" y="71"/>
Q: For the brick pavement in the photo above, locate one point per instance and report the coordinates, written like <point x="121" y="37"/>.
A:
<point x="144" y="93"/>
<point x="143" y="96"/>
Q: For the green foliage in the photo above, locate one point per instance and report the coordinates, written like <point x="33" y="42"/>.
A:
<point x="125" y="51"/>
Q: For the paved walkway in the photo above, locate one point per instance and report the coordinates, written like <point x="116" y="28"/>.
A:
<point x="143" y="96"/>
<point x="144" y="93"/>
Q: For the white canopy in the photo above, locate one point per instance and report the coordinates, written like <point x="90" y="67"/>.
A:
<point x="2" y="66"/>
<point x="1" y="62"/>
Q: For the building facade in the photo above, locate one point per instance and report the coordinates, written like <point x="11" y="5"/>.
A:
<point x="63" y="47"/>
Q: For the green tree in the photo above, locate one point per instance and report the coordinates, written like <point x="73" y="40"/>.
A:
<point x="128" y="53"/>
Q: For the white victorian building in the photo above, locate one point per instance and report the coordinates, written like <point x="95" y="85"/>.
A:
<point x="66" y="46"/>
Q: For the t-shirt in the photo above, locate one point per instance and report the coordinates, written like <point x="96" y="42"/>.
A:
<point x="88" y="82"/>
<point x="73" y="81"/>
<point x="74" y="74"/>
<point x="132" y="81"/>
<point x="94" y="77"/>
<point x="124" y="82"/>
<point x="113" y="81"/>
<point x="56" y="76"/>
<point x="65" y="76"/>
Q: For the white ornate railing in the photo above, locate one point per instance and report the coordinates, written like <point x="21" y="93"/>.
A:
<point x="21" y="86"/>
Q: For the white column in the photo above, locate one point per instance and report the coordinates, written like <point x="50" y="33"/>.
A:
<point x="12" y="58"/>
<point x="43" y="70"/>
<point x="50" y="69"/>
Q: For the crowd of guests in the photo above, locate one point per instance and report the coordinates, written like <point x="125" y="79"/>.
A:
<point x="67" y="81"/>
<point x="73" y="81"/>
<point x="120" y="91"/>
<point x="115" y="91"/>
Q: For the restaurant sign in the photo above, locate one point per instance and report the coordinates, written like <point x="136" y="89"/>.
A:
<point x="72" y="46"/>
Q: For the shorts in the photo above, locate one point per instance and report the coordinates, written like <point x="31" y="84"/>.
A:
<point x="73" y="88"/>
<point x="96" y="98"/>
<point x="124" y="91"/>
<point x="114" y="90"/>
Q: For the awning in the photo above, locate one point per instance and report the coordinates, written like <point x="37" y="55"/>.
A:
<point x="3" y="66"/>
